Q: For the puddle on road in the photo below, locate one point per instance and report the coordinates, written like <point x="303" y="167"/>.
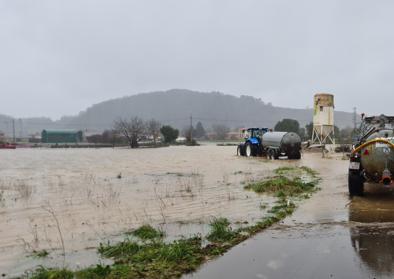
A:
<point x="376" y="206"/>
<point x="372" y="230"/>
<point x="348" y="250"/>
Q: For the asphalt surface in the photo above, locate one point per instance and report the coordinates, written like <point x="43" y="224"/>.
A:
<point x="329" y="236"/>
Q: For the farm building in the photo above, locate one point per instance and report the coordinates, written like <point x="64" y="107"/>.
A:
<point x="61" y="136"/>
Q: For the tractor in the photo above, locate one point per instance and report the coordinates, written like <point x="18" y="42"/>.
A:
<point x="263" y="141"/>
<point x="252" y="145"/>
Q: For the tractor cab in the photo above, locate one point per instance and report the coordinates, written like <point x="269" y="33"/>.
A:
<point x="252" y="144"/>
<point x="253" y="133"/>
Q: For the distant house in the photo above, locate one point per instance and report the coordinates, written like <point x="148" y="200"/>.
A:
<point x="61" y="136"/>
<point x="2" y="137"/>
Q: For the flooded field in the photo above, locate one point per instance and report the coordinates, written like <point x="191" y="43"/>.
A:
<point x="71" y="200"/>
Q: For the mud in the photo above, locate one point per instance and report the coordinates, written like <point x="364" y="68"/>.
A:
<point x="88" y="196"/>
<point x="329" y="236"/>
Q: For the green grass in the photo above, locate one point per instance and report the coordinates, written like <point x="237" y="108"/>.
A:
<point x="288" y="170"/>
<point x="147" y="232"/>
<point x="155" y="259"/>
<point x="284" y="170"/>
<point x="282" y="186"/>
<point x="286" y="183"/>
<point x="220" y="230"/>
<point x="47" y="273"/>
<point x="309" y="171"/>
<point x="40" y="254"/>
<point x="98" y="271"/>
<point x="135" y="260"/>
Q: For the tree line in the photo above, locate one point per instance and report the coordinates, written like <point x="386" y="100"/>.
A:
<point x="344" y="135"/>
<point x="134" y="130"/>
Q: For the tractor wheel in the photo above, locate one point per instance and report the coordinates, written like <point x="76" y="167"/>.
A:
<point x="295" y="156"/>
<point x="356" y="184"/>
<point x="241" y="150"/>
<point x="248" y="149"/>
<point x="271" y="154"/>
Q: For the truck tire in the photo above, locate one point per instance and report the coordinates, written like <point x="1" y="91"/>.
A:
<point x="276" y="154"/>
<point x="356" y="184"/>
<point x="239" y="151"/>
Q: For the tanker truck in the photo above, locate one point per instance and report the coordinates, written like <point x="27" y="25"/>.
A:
<point x="372" y="157"/>
<point x="261" y="141"/>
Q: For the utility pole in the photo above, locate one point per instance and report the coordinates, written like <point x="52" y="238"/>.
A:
<point x="13" y="130"/>
<point x="355" y="118"/>
<point x="20" y="128"/>
<point x="191" y="128"/>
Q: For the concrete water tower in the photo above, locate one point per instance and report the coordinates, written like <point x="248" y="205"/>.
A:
<point x="323" y="119"/>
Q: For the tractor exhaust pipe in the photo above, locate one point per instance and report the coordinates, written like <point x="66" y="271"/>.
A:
<point x="386" y="177"/>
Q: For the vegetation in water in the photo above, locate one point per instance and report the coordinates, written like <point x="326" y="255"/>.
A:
<point x="220" y="230"/>
<point x="282" y="186"/>
<point x="40" y="254"/>
<point x="147" y="255"/>
<point x="147" y="232"/>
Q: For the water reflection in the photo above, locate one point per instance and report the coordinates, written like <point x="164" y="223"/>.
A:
<point x="372" y="233"/>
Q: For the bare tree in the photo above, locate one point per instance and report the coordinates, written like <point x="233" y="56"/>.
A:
<point x="132" y="130"/>
<point x="121" y="126"/>
<point x="153" y="127"/>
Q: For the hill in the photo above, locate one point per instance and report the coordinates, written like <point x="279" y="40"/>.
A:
<point x="175" y="107"/>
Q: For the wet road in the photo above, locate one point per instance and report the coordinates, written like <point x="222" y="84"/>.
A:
<point x="329" y="236"/>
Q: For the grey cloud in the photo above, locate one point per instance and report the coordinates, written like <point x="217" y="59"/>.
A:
<point x="58" y="57"/>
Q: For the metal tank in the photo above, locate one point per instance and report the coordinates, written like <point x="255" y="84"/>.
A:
<point x="372" y="159"/>
<point x="323" y="119"/>
<point x="282" y="143"/>
<point x="377" y="159"/>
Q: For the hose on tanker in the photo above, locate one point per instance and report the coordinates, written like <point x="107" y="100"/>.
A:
<point x="381" y="140"/>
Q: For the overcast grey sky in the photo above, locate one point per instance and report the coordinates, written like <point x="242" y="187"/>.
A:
<point x="59" y="57"/>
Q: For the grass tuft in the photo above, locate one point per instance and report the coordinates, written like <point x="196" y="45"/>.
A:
<point x="40" y="254"/>
<point x="220" y="230"/>
<point x="284" y="170"/>
<point x="48" y="273"/>
<point x="282" y="186"/>
<point x="285" y="185"/>
<point x="98" y="271"/>
<point x="309" y="171"/>
<point x="147" y="232"/>
<point x="154" y="259"/>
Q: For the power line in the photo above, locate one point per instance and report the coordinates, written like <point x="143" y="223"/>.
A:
<point x="355" y="118"/>
<point x="191" y="128"/>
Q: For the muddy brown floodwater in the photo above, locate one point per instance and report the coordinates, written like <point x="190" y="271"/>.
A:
<point x="95" y="195"/>
<point x="329" y="236"/>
